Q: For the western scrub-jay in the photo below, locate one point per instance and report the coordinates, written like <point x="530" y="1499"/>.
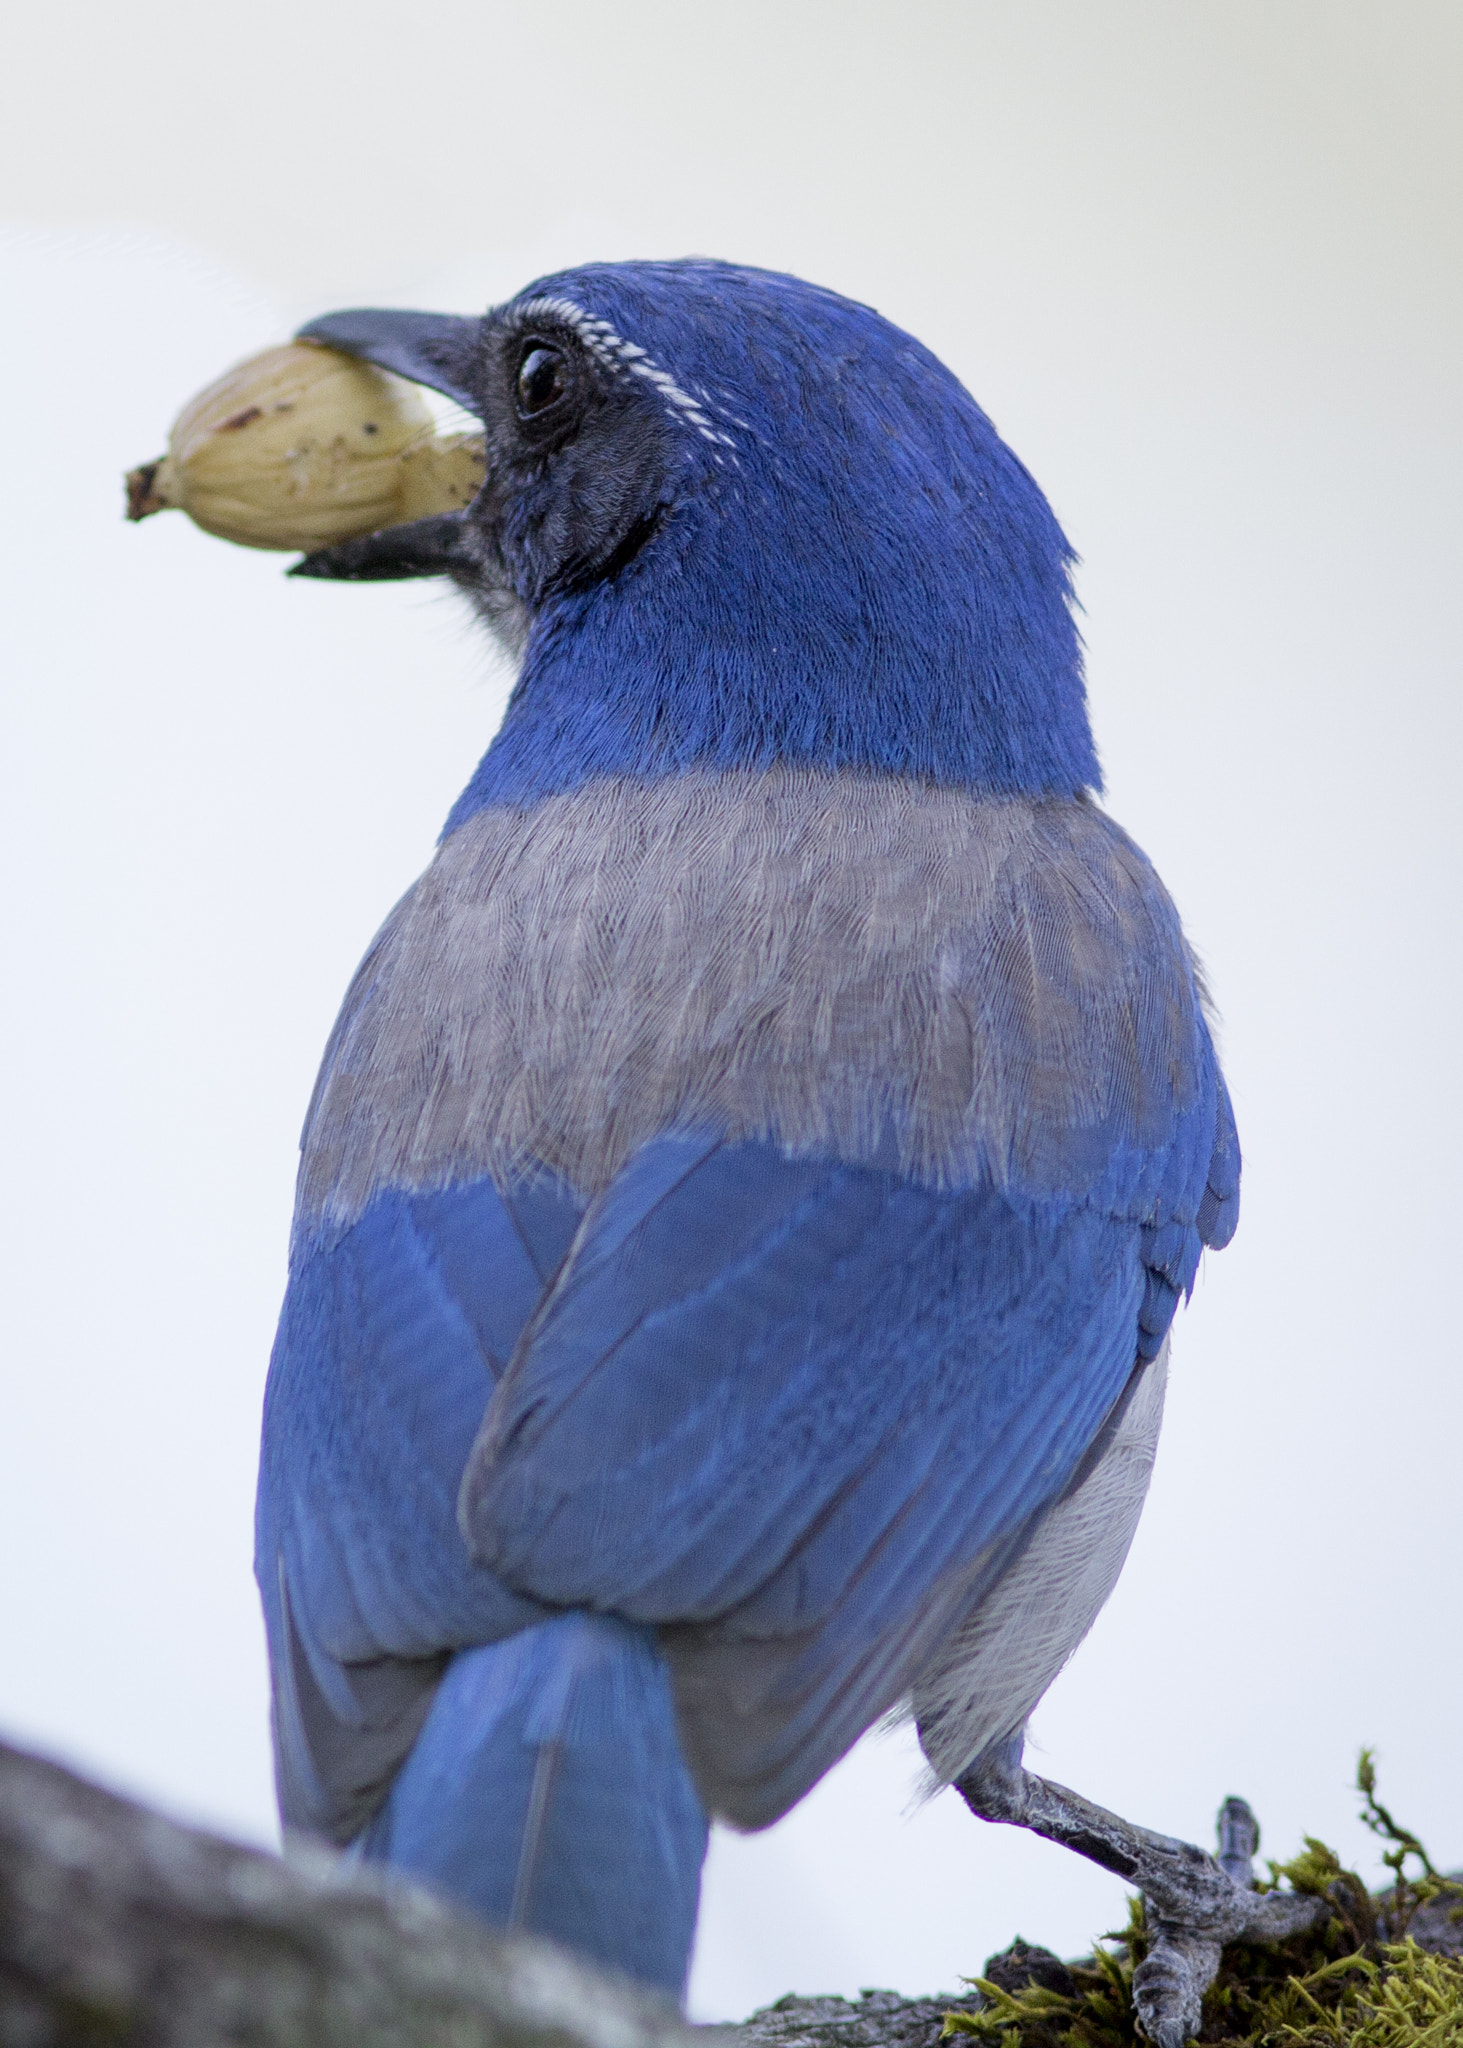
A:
<point x="755" y="1168"/>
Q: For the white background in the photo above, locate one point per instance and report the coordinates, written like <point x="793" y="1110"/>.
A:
<point x="1201" y="263"/>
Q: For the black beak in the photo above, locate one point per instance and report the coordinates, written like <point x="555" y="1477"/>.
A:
<point x="435" y="349"/>
<point x="425" y="547"/>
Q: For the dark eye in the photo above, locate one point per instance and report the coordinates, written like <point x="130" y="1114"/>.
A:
<point x="543" y="378"/>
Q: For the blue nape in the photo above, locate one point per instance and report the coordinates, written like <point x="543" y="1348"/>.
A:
<point x="547" y="1791"/>
<point x="861" y="574"/>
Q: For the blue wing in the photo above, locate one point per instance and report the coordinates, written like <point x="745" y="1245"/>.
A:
<point x="392" y="1337"/>
<point x="796" y="1414"/>
<point x="801" y="1414"/>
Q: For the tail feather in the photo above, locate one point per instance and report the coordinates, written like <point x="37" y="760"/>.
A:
<point x="547" y="1790"/>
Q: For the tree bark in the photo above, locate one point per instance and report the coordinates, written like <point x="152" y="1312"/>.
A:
<point x="119" y="1927"/>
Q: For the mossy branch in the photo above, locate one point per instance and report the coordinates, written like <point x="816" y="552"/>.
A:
<point x="1356" y="1981"/>
<point x="1409" y="1893"/>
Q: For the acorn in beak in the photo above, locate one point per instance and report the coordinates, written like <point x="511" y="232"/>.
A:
<point x="325" y="445"/>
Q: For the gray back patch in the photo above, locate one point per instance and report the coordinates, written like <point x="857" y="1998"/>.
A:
<point x="845" y="965"/>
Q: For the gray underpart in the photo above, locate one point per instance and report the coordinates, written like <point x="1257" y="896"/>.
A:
<point x="989" y="1675"/>
<point x="1194" y="1907"/>
<point x="828" y="962"/>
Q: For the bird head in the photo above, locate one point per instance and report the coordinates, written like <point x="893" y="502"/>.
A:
<point x="731" y="519"/>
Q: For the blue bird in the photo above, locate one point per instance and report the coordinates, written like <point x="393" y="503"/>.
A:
<point x="755" y="1169"/>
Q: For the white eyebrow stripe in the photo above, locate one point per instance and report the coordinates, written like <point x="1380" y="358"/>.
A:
<point x="615" y="353"/>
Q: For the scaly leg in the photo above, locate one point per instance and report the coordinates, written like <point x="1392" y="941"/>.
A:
<point x="1196" y="1904"/>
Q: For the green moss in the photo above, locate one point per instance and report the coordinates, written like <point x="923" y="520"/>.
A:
<point x="1357" y="1981"/>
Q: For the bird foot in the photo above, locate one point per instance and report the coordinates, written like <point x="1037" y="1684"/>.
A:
<point x="1197" y="1904"/>
<point x="1183" y="1961"/>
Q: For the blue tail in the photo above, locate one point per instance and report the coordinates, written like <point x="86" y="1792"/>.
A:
<point x="547" y="1790"/>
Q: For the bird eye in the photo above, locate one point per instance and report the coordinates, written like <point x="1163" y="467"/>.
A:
<point x="543" y="378"/>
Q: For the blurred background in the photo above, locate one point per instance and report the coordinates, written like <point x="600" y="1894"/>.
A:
<point x="1200" y="260"/>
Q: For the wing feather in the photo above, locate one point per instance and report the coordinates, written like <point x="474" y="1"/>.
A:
<point x="796" y="1414"/>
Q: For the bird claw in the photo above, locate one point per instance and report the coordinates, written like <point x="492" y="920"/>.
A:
<point x="1196" y="1904"/>
<point x="1169" y="1985"/>
<point x="1196" y="1908"/>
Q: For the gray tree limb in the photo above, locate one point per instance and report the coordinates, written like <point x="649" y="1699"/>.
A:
<point x="119" y="1927"/>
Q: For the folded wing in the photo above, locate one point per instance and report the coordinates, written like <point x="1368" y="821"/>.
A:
<point x="802" y="1416"/>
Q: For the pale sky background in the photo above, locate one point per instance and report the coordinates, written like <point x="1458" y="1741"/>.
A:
<point x="1200" y="260"/>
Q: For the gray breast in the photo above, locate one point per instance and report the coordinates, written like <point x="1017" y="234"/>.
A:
<point x="853" y="966"/>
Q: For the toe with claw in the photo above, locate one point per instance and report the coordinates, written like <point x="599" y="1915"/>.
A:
<point x="1197" y="1904"/>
